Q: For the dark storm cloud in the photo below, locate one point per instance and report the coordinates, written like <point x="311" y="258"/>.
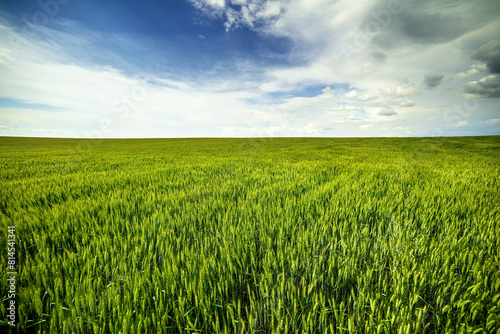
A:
<point x="429" y="22"/>
<point x="430" y="28"/>
<point x="487" y="87"/>
<point x="489" y="54"/>
<point x="432" y="80"/>
<point x="387" y="112"/>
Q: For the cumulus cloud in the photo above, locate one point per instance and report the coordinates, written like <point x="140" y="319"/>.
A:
<point x="405" y="89"/>
<point x="407" y="103"/>
<point x="210" y="7"/>
<point x="432" y="80"/>
<point x="475" y="69"/>
<point x="239" y="13"/>
<point x="369" y="46"/>
<point x="386" y="96"/>
<point x="387" y="112"/>
<point x="487" y="87"/>
<point x="489" y="54"/>
<point x="388" y="49"/>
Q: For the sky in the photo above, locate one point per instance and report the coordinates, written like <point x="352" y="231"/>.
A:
<point x="249" y="68"/>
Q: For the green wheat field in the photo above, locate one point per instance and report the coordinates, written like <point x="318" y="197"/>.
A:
<point x="281" y="235"/>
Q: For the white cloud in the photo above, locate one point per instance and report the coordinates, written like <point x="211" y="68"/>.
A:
<point x="407" y="103"/>
<point x="475" y="69"/>
<point x="366" y="92"/>
<point x="493" y="121"/>
<point x="333" y="44"/>
<point x="237" y="13"/>
<point x="387" y="112"/>
<point x="82" y="97"/>
<point x="271" y="9"/>
<point x="487" y="87"/>
<point x="346" y="107"/>
<point x="208" y="5"/>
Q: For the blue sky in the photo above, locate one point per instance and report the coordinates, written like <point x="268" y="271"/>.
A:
<point x="249" y="68"/>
